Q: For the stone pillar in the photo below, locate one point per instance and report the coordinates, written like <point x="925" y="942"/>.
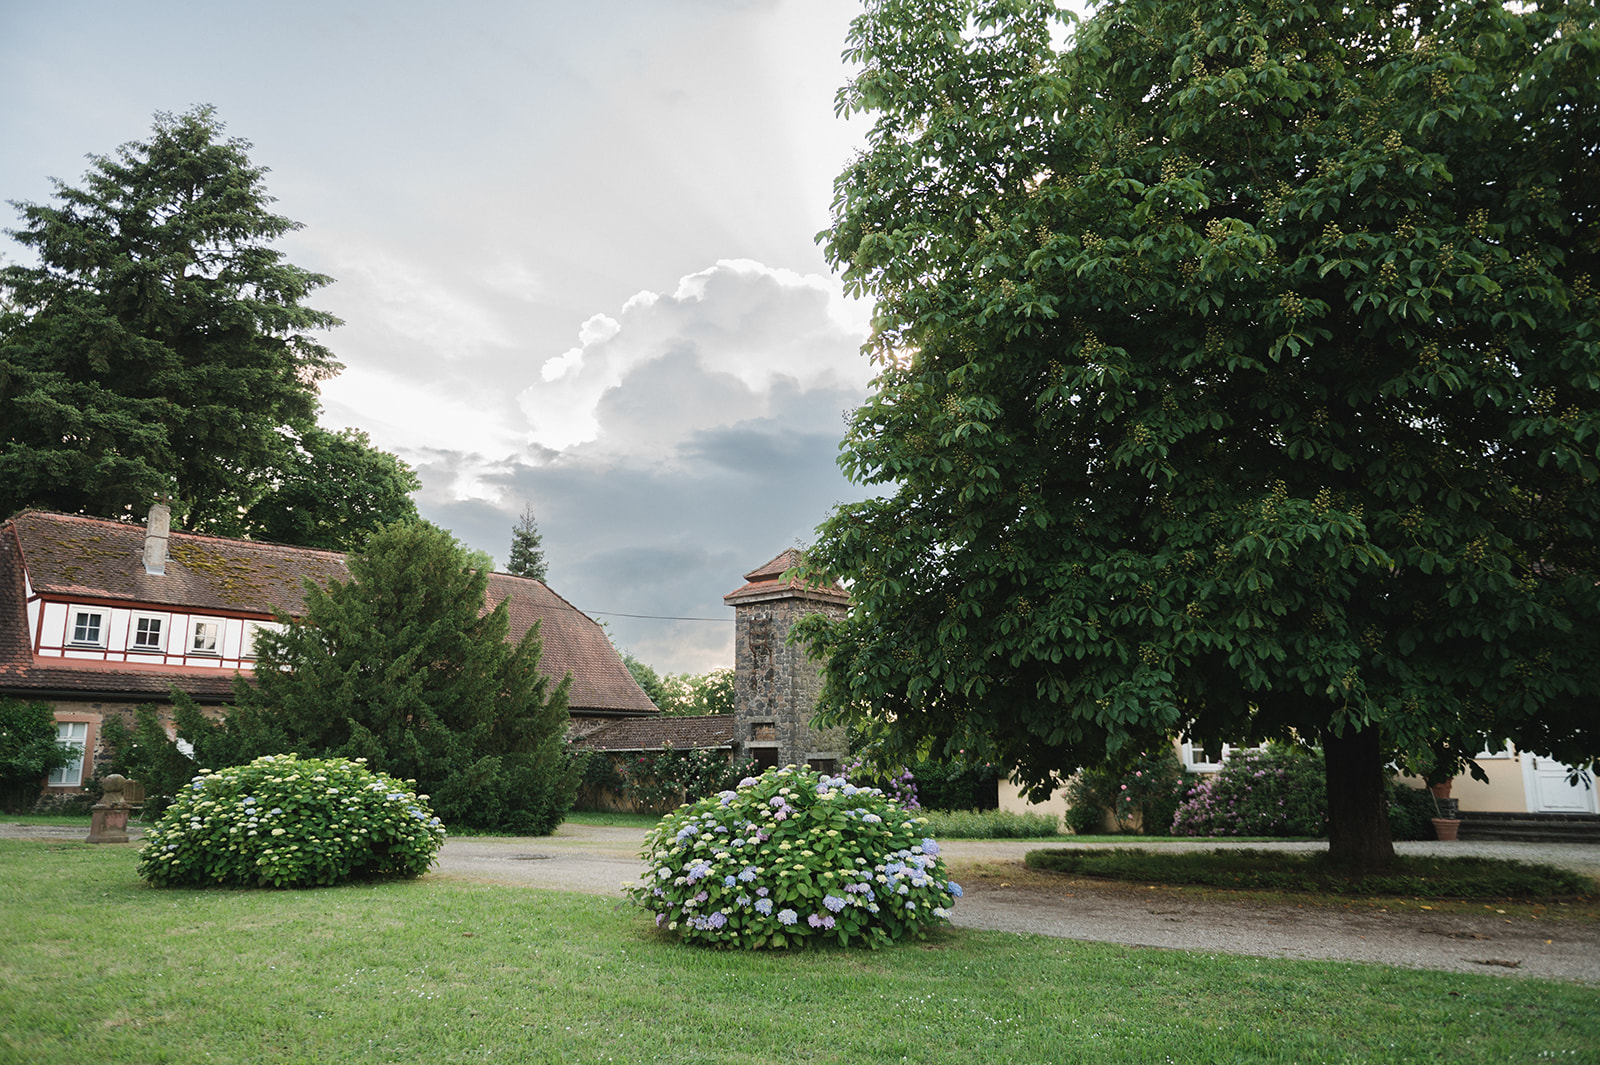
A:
<point x="108" y="818"/>
<point x="776" y="683"/>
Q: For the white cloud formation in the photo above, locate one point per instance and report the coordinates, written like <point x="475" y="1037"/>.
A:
<point x="738" y="329"/>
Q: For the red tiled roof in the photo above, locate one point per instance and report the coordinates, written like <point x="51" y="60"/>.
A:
<point x="767" y="581"/>
<point x="573" y="643"/>
<point x="708" y="731"/>
<point x="68" y="556"/>
<point x="71" y="557"/>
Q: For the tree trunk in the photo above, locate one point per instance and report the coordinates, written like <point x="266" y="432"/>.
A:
<point x="1358" y="811"/>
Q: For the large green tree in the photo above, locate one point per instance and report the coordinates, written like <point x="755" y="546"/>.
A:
<point x="402" y="666"/>
<point x="1239" y="376"/>
<point x="158" y="345"/>
<point x="327" y="490"/>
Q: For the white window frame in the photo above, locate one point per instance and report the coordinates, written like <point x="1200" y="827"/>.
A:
<point x="161" y="634"/>
<point x="101" y="618"/>
<point x="196" y="629"/>
<point x="71" y="776"/>
<point x="252" y="630"/>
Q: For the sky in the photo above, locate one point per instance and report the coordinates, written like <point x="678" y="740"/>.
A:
<point x="573" y="247"/>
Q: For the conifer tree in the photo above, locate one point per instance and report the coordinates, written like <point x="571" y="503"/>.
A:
<point x="527" y="554"/>
<point x="401" y="666"/>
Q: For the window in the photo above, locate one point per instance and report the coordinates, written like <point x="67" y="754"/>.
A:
<point x="206" y="635"/>
<point x="147" y="633"/>
<point x="86" y="627"/>
<point x="765" y="757"/>
<point x="74" y="734"/>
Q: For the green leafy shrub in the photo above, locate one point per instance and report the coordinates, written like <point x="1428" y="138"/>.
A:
<point x="28" y="751"/>
<point x="1142" y="793"/>
<point x="1280" y="790"/>
<point x="989" y="824"/>
<point x="792" y="856"/>
<point x="658" y="781"/>
<point x="1411" y="813"/>
<point x="284" y="821"/>
<point x="956" y="784"/>
<point x="146" y="754"/>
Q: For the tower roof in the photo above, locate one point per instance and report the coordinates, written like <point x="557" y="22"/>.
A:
<point x="766" y="582"/>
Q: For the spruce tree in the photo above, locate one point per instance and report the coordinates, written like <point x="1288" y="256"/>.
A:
<point x="527" y="556"/>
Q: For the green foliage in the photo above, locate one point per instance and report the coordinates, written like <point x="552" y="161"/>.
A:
<point x="1278" y="791"/>
<point x="145" y="753"/>
<point x="527" y="556"/>
<point x="957" y="784"/>
<point x="1140" y="792"/>
<point x="28" y="751"/>
<point x="657" y="781"/>
<point x="284" y="821"/>
<point x="161" y="348"/>
<point x="989" y="824"/>
<point x="684" y="694"/>
<point x="1411" y="812"/>
<point x="400" y="667"/>
<point x="1239" y="377"/>
<point x="1430" y="877"/>
<point x="793" y="856"/>
<point x="328" y="491"/>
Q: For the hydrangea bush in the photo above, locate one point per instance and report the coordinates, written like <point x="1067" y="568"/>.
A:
<point x="792" y="856"/>
<point x="285" y="821"/>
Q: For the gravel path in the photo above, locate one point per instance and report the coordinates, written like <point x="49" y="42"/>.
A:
<point x="1004" y="895"/>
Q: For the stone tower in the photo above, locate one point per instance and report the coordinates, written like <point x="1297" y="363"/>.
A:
<point x="775" y="683"/>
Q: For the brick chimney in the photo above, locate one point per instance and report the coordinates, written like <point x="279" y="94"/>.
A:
<point x="157" y="528"/>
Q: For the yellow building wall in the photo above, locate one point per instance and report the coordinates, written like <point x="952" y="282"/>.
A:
<point x="1015" y="800"/>
<point x="1505" y="792"/>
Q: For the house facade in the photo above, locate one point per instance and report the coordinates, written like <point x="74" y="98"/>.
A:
<point x="99" y="617"/>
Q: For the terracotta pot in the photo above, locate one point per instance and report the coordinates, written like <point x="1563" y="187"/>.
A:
<point x="1441" y="791"/>
<point x="1446" y="828"/>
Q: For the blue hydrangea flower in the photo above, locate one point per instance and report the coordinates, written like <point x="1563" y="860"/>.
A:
<point x="787" y="916"/>
<point x="764" y="907"/>
<point x="834" y="902"/>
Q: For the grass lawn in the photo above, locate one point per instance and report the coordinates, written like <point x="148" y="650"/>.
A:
<point x="97" y="967"/>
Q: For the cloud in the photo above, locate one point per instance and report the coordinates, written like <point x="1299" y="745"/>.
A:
<point x="740" y="330"/>
<point x="685" y="440"/>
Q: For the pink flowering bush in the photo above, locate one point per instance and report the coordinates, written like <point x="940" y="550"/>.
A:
<point x="1277" y="791"/>
<point x="792" y="856"/>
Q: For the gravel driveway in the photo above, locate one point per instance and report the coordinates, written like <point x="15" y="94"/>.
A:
<point x="1004" y="895"/>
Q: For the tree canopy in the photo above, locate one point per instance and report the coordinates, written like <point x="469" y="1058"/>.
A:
<point x="401" y="666"/>
<point x="160" y="346"/>
<point x="1238" y="377"/>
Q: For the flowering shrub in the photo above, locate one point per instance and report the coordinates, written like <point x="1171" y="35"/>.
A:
<point x="658" y="781"/>
<point x="1277" y="791"/>
<point x="793" y="855"/>
<point x="899" y="784"/>
<point x="1141" y="794"/>
<point x="284" y="821"/>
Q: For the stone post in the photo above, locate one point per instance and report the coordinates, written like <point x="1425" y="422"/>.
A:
<point x="108" y="818"/>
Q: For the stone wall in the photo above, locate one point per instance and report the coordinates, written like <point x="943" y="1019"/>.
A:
<point x="777" y="683"/>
